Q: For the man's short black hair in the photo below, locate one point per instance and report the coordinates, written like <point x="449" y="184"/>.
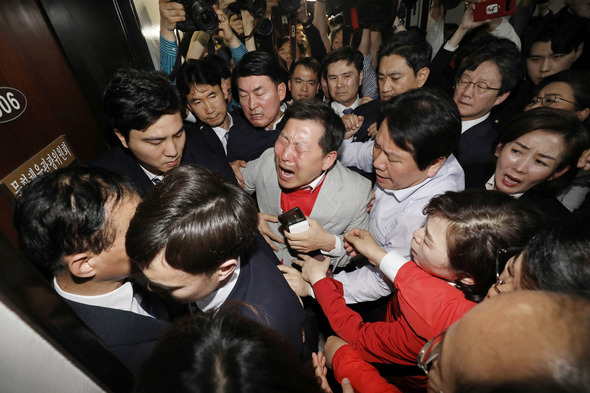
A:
<point x="306" y="62"/>
<point x="411" y="46"/>
<point x="68" y="211"/>
<point x="136" y="99"/>
<point x="565" y="31"/>
<point x="424" y="122"/>
<point x="219" y="62"/>
<point x="258" y="63"/>
<point x="349" y="54"/>
<point x="323" y="114"/>
<point x="196" y="72"/>
<point x="196" y="217"/>
<point x="505" y="55"/>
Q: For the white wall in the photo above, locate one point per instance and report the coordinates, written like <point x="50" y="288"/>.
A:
<point x="28" y="363"/>
<point x="149" y="19"/>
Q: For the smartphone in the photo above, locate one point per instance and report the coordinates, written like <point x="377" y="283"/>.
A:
<point x="490" y="9"/>
<point x="294" y="220"/>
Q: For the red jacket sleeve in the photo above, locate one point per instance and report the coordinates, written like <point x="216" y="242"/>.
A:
<point x="347" y="363"/>
<point x="423" y="306"/>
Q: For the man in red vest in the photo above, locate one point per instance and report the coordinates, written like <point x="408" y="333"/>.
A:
<point x="302" y="171"/>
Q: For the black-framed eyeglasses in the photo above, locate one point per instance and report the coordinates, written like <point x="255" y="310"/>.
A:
<point x="430" y="352"/>
<point x="479" y="87"/>
<point x="503" y="255"/>
<point x="549" y="99"/>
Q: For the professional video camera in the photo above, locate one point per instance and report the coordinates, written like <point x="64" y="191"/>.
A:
<point x="200" y="15"/>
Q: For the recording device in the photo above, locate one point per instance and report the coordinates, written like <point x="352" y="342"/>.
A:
<point x="255" y="7"/>
<point x="200" y="15"/>
<point x="294" y="220"/>
<point x="493" y="9"/>
<point x="265" y="27"/>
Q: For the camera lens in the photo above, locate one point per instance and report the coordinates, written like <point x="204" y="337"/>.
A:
<point x="256" y="7"/>
<point x="204" y="16"/>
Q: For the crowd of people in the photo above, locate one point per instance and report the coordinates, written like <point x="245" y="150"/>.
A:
<point x="426" y="174"/>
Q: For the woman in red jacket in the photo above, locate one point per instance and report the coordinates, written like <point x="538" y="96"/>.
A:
<point x="453" y="265"/>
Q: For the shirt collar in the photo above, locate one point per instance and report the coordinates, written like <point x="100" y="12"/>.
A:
<point x="315" y="183"/>
<point x="274" y="125"/>
<point x="339" y="108"/>
<point x="121" y="298"/>
<point x="221" y="129"/>
<point x="467" y="124"/>
<point x="215" y="299"/>
<point x="150" y="175"/>
<point x="491" y="185"/>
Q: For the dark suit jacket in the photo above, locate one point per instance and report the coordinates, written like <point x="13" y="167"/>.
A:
<point x="120" y="160"/>
<point x="474" y="151"/>
<point x="370" y="111"/>
<point x="262" y="285"/>
<point x="248" y="143"/>
<point x="207" y="136"/>
<point x="130" y="336"/>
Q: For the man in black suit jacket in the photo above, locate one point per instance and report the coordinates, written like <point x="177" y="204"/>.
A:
<point x="195" y="238"/>
<point x="144" y="110"/>
<point x="403" y="65"/>
<point x="72" y="226"/>
<point x="199" y="85"/>
<point x="486" y="78"/>
<point x="260" y="89"/>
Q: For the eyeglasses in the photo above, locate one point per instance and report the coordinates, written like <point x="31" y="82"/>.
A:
<point x="502" y="257"/>
<point x="479" y="87"/>
<point x="430" y="352"/>
<point x="549" y="99"/>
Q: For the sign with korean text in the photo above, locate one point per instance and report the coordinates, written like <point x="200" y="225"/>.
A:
<point x="58" y="154"/>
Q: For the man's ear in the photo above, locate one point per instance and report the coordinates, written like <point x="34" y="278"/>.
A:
<point x="226" y="269"/>
<point x="558" y="173"/>
<point x="329" y="160"/>
<point x="433" y="168"/>
<point x="422" y="76"/>
<point x="282" y="90"/>
<point x="467" y="279"/>
<point x="361" y="74"/>
<point x="583" y="114"/>
<point x="501" y="98"/>
<point x="122" y="139"/>
<point x="80" y="264"/>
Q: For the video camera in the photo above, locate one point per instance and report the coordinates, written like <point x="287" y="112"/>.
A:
<point x="200" y="15"/>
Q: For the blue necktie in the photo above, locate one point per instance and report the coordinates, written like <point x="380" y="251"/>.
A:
<point x="347" y="111"/>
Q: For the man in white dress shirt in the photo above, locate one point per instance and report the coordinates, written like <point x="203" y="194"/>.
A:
<point x="413" y="162"/>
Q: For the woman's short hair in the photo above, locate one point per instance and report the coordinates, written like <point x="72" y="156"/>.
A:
<point x="480" y="223"/>
<point x="223" y="352"/>
<point x="555" y="121"/>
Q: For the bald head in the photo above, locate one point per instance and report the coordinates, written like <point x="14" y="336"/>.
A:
<point x="532" y="340"/>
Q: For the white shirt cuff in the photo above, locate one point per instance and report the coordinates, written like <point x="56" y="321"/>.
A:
<point x="336" y="251"/>
<point x="449" y="47"/>
<point x="391" y="263"/>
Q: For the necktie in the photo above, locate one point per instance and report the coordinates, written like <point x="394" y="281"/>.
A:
<point x="347" y="111"/>
<point x="156" y="181"/>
